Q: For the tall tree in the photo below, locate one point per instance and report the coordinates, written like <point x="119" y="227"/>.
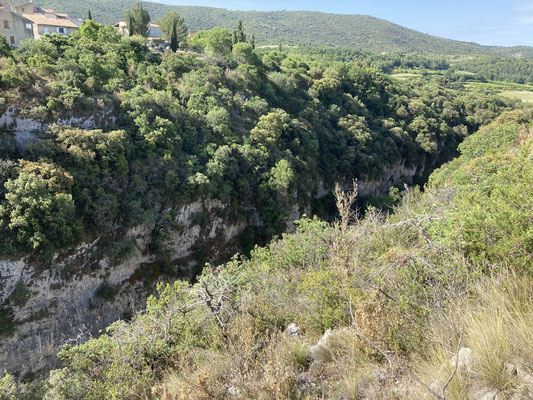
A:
<point x="129" y="23"/>
<point x="174" y="38"/>
<point x="5" y="49"/>
<point x="137" y="21"/>
<point x="252" y="40"/>
<point x="172" y="20"/>
<point x="238" y="34"/>
<point x="241" y="36"/>
<point x="89" y="16"/>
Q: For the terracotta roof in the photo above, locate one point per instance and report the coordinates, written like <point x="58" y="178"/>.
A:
<point x="42" y="20"/>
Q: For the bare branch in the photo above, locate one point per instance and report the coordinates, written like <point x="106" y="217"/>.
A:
<point x="456" y="363"/>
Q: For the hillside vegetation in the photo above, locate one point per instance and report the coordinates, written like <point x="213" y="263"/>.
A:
<point x="259" y="134"/>
<point x="449" y="266"/>
<point x="305" y="28"/>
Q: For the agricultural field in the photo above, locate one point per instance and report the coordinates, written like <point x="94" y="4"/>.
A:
<point x="525" y="96"/>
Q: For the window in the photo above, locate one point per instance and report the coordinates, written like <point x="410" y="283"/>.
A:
<point x="61" y="30"/>
<point x="6" y="24"/>
<point x="28" y="25"/>
<point x="46" y="29"/>
<point x="12" y="39"/>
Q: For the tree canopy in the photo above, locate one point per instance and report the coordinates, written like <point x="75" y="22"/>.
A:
<point x="137" y="20"/>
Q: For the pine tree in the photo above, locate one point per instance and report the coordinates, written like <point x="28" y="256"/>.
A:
<point x="238" y="35"/>
<point x="89" y="16"/>
<point x="170" y="21"/>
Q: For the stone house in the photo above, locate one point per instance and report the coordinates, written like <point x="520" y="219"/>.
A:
<point x="14" y="27"/>
<point x="46" y="20"/>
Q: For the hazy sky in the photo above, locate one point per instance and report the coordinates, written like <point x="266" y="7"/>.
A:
<point x="490" y="22"/>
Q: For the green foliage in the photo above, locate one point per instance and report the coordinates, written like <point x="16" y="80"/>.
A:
<point x="8" y="387"/>
<point x="38" y="210"/>
<point x="137" y="20"/>
<point x="216" y="41"/>
<point x="238" y="34"/>
<point x="7" y="324"/>
<point x="171" y="23"/>
<point x="5" y="49"/>
<point x="13" y="75"/>
<point x="20" y="294"/>
<point x="105" y="292"/>
<point x="490" y="220"/>
<point x="393" y="275"/>
<point x="90" y="29"/>
<point x="255" y="132"/>
<point x="120" y="250"/>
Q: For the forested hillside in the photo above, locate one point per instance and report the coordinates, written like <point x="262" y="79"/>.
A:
<point x="442" y="284"/>
<point x="305" y="28"/>
<point x="259" y="134"/>
<point x="463" y="68"/>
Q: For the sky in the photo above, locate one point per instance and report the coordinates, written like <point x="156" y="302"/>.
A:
<point x="489" y="22"/>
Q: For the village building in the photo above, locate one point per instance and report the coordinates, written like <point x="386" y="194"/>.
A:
<point x="154" y="36"/>
<point x="14" y="27"/>
<point x="154" y="31"/>
<point x="45" y="20"/>
<point x="122" y="28"/>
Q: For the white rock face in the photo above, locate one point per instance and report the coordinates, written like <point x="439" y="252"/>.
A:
<point x="389" y="177"/>
<point x="64" y="306"/>
<point x="10" y="273"/>
<point x="26" y="129"/>
<point x="464" y="359"/>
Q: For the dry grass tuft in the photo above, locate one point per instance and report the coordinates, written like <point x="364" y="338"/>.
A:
<point x="499" y="333"/>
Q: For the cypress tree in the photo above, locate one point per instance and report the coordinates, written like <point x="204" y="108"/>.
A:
<point x="241" y="36"/>
<point x="89" y="16"/>
<point x="129" y="24"/>
<point x="252" y="40"/>
<point x="174" y="38"/>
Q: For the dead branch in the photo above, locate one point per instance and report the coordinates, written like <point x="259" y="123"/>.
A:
<point x="456" y="363"/>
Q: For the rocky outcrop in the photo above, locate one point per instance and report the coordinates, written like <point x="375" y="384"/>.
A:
<point x="391" y="175"/>
<point x="26" y="128"/>
<point x="81" y="292"/>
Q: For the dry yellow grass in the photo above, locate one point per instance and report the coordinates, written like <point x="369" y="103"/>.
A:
<point x="498" y="329"/>
<point x="525" y="96"/>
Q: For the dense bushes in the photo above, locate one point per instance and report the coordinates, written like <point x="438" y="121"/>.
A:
<point x="219" y="122"/>
<point x="406" y="279"/>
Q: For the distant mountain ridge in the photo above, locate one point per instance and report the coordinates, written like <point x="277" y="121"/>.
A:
<point x="305" y="28"/>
